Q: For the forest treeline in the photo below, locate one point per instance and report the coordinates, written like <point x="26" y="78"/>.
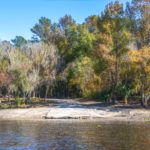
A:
<point x="106" y="57"/>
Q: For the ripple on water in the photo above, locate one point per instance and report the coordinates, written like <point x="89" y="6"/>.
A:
<point x="49" y="135"/>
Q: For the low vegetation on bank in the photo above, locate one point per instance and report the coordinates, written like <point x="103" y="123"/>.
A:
<point x="18" y="102"/>
<point x="107" y="57"/>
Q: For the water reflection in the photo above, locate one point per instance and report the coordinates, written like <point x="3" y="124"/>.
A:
<point x="52" y="135"/>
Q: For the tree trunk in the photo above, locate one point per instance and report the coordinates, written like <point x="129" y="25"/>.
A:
<point x="28" y="98"/>
<point x="33" y="94"/>
<point x="145" y="100"/>
<point x="116" y="78"/>
<point x="8" y="95"/>
<point x="144" y="103"/>
<point x="0" y="94"/>
<point x="24" y="97"/>
<point x="126" y="101"/>
<point x="47" y="90"/>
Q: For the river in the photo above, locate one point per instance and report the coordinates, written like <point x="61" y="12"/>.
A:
<point x="74" y="135"/>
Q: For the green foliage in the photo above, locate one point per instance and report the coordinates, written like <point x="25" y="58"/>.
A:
<point x="125" y="90"/>
<point x="19" y="41"/>
<point x="82" y="74"/>
<point x="19" y="101"/>
<point x="97" y="58"/>
<point x="105" y="95"/>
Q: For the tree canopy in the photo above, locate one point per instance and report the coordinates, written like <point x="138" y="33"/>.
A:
<point x="106" y="57"/>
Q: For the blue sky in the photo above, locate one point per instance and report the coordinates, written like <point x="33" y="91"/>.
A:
<point x="17" y="17"/>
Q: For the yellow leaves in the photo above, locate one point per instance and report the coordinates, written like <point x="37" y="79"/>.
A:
<point x="84" y="76"/>
<point x="107" y="26"/>
<point x="140" y="63"/>
<point x="148" y="69"/>
<point x="86" y="61"/>
<point x="145" y="53"/>
<point x="139" y="56"/>
<point x="106" y="39"/>
<point x="126" y="35"/>
<point x="134" y="56"/>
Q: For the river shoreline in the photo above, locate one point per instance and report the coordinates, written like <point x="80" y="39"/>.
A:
<point x="46" y="113"/>
<point x="77" y="110"/>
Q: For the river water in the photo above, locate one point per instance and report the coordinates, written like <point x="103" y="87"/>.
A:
<point x="73" y="135"/>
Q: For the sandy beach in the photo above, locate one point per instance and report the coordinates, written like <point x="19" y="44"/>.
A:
<point x="71" y="109"/>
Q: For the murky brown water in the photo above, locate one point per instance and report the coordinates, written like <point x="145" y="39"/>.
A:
<point x="72" y="135"/>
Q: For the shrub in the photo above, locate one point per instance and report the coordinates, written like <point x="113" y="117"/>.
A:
<point x="19" y="101"/>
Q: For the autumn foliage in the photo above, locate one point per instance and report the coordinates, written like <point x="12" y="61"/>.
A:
<point x="106" y="57"/>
